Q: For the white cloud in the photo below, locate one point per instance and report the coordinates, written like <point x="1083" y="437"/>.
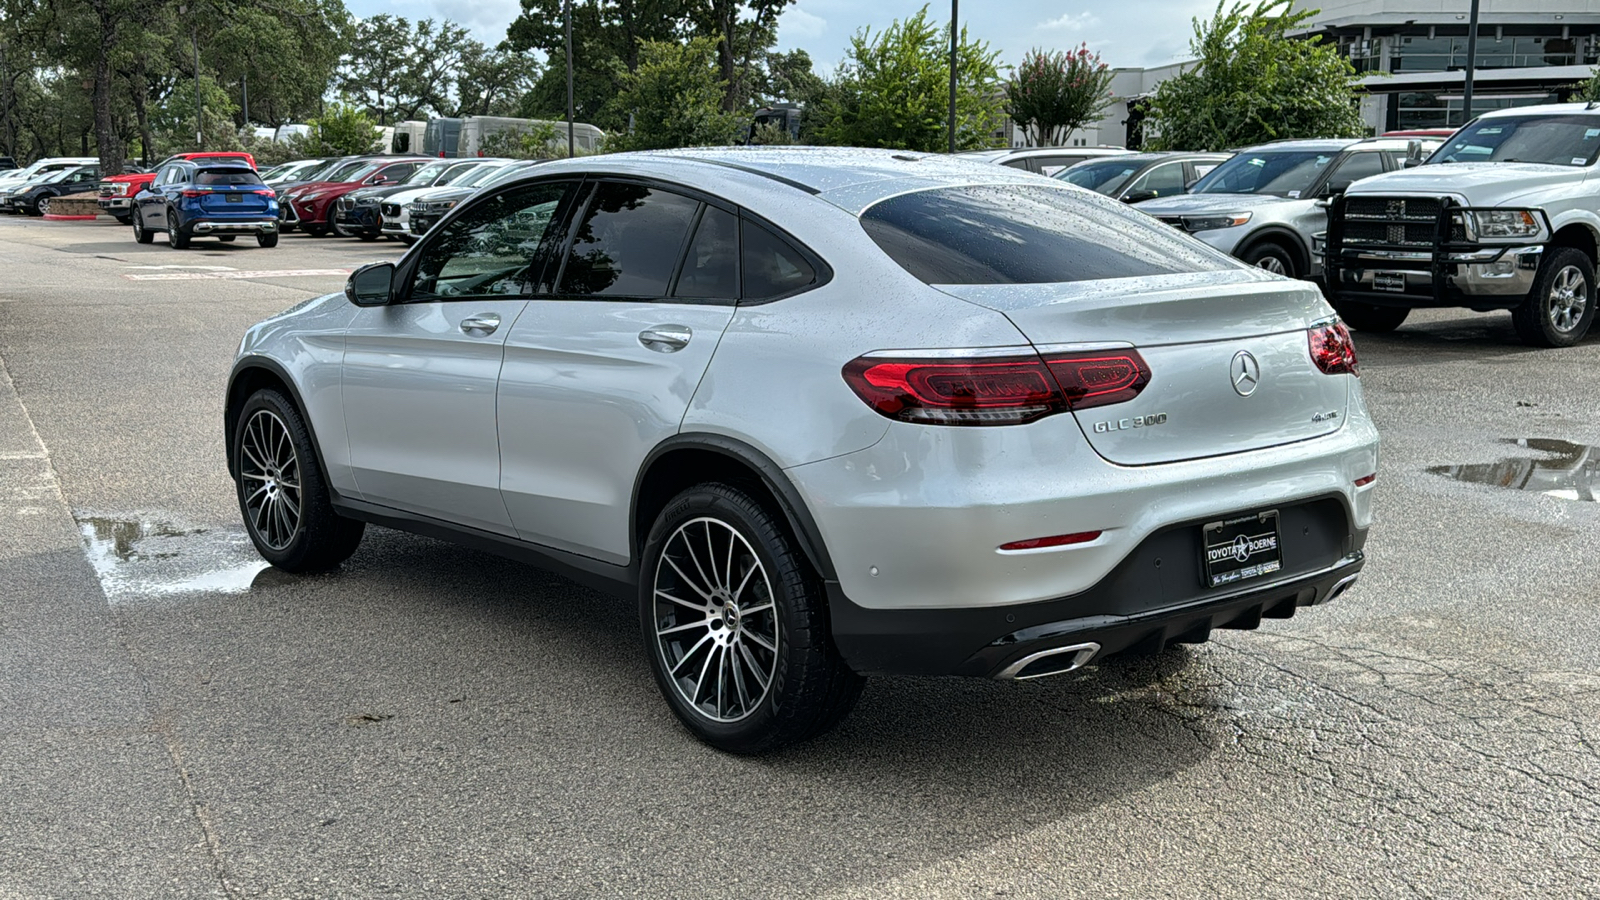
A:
<point x="797" y="23"/>
<point x="1069" y="22"/>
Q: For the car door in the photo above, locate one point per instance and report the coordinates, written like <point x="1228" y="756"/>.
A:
<point x="1164" y="180"/>
<point x="153" y="200"/>
<point x="601" y="368"/>
<point x="420" y="373"/>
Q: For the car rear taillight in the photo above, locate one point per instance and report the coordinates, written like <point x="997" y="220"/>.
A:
<point x="266" y="192"/>
<point x="197" y="193"/>
<point x="957" y="389"/>
<point x="1332" y="349"/>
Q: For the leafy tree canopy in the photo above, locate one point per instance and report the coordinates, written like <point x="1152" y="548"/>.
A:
<point x="674" y="99"/>
<point x="1054" y="94"/>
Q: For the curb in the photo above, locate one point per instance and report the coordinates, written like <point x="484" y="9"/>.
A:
<point x="56" y="218"/>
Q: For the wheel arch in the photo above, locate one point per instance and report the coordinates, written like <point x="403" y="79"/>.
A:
<point x="1286" y="238"/>
<point x="685" y="460"/>
<point x="1580" y="236"/>
<point x="251" y="374"/>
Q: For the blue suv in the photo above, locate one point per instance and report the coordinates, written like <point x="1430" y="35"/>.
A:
<point x="206" y="198"/>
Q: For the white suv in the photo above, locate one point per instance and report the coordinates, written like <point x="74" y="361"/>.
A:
<point x="824" y="414"/>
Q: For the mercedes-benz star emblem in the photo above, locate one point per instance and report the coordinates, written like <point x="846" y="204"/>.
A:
<point x="1246" y="373"/>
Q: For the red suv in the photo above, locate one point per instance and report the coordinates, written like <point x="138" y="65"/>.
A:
<point x="118" y="191"/>
<point x="312" y="206"/>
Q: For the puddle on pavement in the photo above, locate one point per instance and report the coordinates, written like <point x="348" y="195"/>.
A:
<point x="149" y="557"/>
<point x="1562" y="469"/>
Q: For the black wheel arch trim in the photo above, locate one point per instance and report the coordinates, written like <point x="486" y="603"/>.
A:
<point x="1279" y="235"/>
<point x="790" y="503"/>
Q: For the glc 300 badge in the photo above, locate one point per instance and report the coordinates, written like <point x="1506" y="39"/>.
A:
<point x="1128" y="424"/>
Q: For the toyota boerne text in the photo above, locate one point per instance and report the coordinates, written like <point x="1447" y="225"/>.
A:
<point x="824" y="414"/>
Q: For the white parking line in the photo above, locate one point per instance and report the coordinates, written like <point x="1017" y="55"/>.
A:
<point x="233" y="275"/>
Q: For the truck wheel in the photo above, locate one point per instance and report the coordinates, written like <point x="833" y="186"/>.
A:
<point x="123" y="218"/>
<point x="1368" y="317"/>
<point x="1560" y="307"/>
<point x="736" y="625"/>
<point x="1273" y="258"/>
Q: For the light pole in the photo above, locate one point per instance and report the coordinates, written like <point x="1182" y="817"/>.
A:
<point x="1472" y="63"/>
<point x="570" y="79"/>
<point x="954" y="42"/>
<point x="185" y="9"/>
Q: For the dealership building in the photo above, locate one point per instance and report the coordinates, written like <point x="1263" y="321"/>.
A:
<point x="1413" y="57"/>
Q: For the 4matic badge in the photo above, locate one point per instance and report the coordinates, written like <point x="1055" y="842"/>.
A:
<point x="1111" y="425"/>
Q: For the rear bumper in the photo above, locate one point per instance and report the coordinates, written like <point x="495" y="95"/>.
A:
<point x="1056" y="636"/>
<point x="233" y="226"/>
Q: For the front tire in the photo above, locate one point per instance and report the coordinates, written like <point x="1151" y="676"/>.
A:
<point x="1560" y="308"/>
<point x="736" y="627"/>
<point x="1369" y="317"/>
<point x="264" y="239"/>
<point x="140" y="233"/>
<point x="43" y="206"/>
<point x="283" y="495"/>
<point x="1272" y="257"/>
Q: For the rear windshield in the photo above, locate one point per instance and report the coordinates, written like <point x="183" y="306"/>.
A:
<point x="226" y="176"/>
<point x="1015" y="234"/>
<point x="1552" y="140"/>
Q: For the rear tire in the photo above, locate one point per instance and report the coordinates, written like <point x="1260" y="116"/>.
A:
<point x="175" y="236"/>
<point x="1272" y="257"/>
<point x="725" y="587"/>
<point x="1368" y="317"/>
<point x="267" y="240"/>
<point x="282" y="493"/>
<point x="367" y="236"/>
<point x="123" y="218"/>
<point x="1560" y="308"/>
<point x="140" y="233"/>
<point x="314" y="230"/>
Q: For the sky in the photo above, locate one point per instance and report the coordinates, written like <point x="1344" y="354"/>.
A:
<point x="1127" y="33"/>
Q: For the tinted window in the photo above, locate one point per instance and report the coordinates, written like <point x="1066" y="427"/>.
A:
<point x="1101" y="177"/>
<point x="489" y="250"/>
<point x="1050" y="165"/>
<point x="1357" y="166"/>
<point x="627" y="242"/>
<point x="711" y="267"/>
<point x="1026" y="235"/>
<point x="226" y="176"/>
<point x="771" y="266"/>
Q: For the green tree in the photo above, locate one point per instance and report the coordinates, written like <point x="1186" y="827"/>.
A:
<point x="1587" y="91"/>
<point x="341" y="131"/>
<point x="675" y="99"/>
<point x="374" y="71"/>
<point x="744" y="30"/>
<point x="1254" y="83"/>
<point x="893" y="90"/>
<point x="1054" y="94"/>
<point x="543" y="140"/>
<point x="492" y="80"/>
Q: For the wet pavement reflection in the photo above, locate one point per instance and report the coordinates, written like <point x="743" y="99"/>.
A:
<point x="1562" y="469"/>
<point x="139" y="557"/>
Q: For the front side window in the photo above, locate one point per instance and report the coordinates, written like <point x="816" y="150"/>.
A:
<point x="627" y="242"/>
<point x="993" y="234"/>
<point x="491" y="250"/>
<point x="1162" y="181"/>
<point x="1552" y="140"/>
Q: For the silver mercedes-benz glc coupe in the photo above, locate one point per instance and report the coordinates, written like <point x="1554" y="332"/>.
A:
<point x="824" y="414"/>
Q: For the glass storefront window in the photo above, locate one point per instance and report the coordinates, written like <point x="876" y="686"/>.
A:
<point x="1429" y="110"/>
<point x="1444" y="54"/>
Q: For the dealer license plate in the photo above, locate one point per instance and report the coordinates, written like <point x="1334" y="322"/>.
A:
<point x="1389" y="281"/>
<point x="1242" y="548"/>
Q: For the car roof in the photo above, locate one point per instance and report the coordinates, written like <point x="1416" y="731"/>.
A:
<point x="1544" y="109"/>
<point x="1302" y="144"/>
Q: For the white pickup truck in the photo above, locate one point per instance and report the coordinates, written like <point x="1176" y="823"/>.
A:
<point x="1504" y="216"/>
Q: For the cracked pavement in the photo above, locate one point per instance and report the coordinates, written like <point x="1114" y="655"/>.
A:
<point x="433" y="722"/>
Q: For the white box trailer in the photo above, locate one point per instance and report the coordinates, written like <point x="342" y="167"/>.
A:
<point x="474" y="129"/>
<point x="408" y="137"/>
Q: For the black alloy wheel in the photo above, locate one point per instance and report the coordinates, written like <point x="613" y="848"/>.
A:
<point x="176" y="239"/>
<point x="140" y="233"/>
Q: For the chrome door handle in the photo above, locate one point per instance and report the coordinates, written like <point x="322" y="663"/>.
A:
<point x="484" y="322"/>
<point x="666" y="338"/>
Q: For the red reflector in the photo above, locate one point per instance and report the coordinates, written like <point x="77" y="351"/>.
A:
<point x="1333" y="350"/>
<point x="1060" y="540"/>
<point x="1363" y="482"/>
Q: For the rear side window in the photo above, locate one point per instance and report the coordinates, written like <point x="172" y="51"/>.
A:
<point x="627" y="242"/>
<point x="711" y="267"/>
<point x="771" y="266"/>
<point x="226" y="176"/>
<point x="1015" y="234"/>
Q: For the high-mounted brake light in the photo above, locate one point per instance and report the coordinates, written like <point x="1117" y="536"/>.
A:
<point x="1333" y="350"/>
<point x="955" y="389"/>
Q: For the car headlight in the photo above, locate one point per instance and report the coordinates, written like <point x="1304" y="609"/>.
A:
<point x="307" y="198"/>
<point x="1209" y="222"/>
<point x="1505" y="223"/>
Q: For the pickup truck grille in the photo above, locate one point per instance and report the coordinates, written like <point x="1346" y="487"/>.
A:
<point x="1397" y="222"/>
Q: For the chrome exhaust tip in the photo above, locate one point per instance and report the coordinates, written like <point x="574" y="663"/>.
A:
<point x="1340" y="587"/>
<point x="1055" y="661"/>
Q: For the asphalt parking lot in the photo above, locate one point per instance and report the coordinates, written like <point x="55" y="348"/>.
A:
<point x="429" y="721"/>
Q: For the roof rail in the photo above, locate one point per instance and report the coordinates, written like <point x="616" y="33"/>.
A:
<point x="751" y="170"/>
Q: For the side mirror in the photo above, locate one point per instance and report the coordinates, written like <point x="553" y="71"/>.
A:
<point x="371" y="285"/>
<point x="378" y="179"/>
<point x="1411" y="163"/>
<point x="1140" y="196"/>
<point x="1334" y="189"/>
